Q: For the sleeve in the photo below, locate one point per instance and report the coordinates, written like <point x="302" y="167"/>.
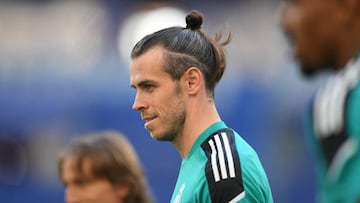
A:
<point x="330" y="125"/>
<point x="223" y="168"/>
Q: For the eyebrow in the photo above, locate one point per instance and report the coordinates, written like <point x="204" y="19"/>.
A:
<point x="143" y="83"/>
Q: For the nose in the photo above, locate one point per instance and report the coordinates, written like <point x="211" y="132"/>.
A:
<point x="138" y="104"/>
<point x="70" y="196"/>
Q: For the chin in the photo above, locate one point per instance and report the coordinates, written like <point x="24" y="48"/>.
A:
<point x="308" y="70"/>
<point x="308" y="73"/>
<point x="163" y="137"/>
<point x="155" y="136"/>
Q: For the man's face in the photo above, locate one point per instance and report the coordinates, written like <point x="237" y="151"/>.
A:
<point x="83" y="187"/>
<point x="158" y="97"/>
<point x="313" y="27"/>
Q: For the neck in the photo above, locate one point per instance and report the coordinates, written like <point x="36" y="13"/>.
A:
<point x="200" y="115"/>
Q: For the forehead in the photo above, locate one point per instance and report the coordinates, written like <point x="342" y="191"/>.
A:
<point x="151" y="58"/>
<point x="149" y="64"/>
<point x="75" y="167"/>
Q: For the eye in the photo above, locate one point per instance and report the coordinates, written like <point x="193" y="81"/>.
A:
<point x="149" y="87"/>
<point x="65" y="184"/>
<point x="81" y="182"/>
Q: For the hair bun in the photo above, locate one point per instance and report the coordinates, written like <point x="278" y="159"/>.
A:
<point x="194" y="20"/>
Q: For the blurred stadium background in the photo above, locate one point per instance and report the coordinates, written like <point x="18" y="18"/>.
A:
<point x="64" y="72"/>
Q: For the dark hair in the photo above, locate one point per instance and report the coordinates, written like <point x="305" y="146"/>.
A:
<point x="187" y="47"/>
<point x="112" y="157"/>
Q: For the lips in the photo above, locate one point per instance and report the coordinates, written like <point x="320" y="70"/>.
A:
<point x="148" y="118"/>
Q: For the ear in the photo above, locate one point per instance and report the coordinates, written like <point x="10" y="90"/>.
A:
<point x="123" y="190"/>
<point x="193" y="79"/>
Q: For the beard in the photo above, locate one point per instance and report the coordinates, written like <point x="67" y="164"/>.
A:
<point x="307" y="70"/>
<point x="323" y="60"/>
<point x="177" y="126"/>
<point x="310" y="72"/>
<point x="173" y="117"/>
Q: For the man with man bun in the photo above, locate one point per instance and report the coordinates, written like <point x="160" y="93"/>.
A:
<point x="174" y="72"/>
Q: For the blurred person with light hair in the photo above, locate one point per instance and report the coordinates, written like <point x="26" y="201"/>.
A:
<point x="174" y="72"/>
<point x="326" y="37"/>
<point x="102" y="168"/>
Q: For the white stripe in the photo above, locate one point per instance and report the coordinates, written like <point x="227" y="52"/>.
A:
<point x="228" y="155"/>
<point x="238" y="197"/>
<point x="322" y="106"/>
<point x="318" y="109"/>
<point x="325" y="106"/>
<point x="213" y="161"/>
<point x="336" y="107"/>
<point x="330" y="99"/>
<point x="332" y="109"/>
<point x="344" y="153"/>
<point x="221" y="157"/>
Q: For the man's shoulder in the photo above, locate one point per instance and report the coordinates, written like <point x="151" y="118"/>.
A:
<point x="232" y="166"/>
<point x="223" y="168"/>
<point x="227" y="141"/>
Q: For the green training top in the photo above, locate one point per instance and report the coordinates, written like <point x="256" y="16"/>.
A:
<point x="221" y="167"/>
<point x="334" y="130"/>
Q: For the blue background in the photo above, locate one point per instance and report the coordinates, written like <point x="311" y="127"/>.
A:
<point x="44" y="102"/>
